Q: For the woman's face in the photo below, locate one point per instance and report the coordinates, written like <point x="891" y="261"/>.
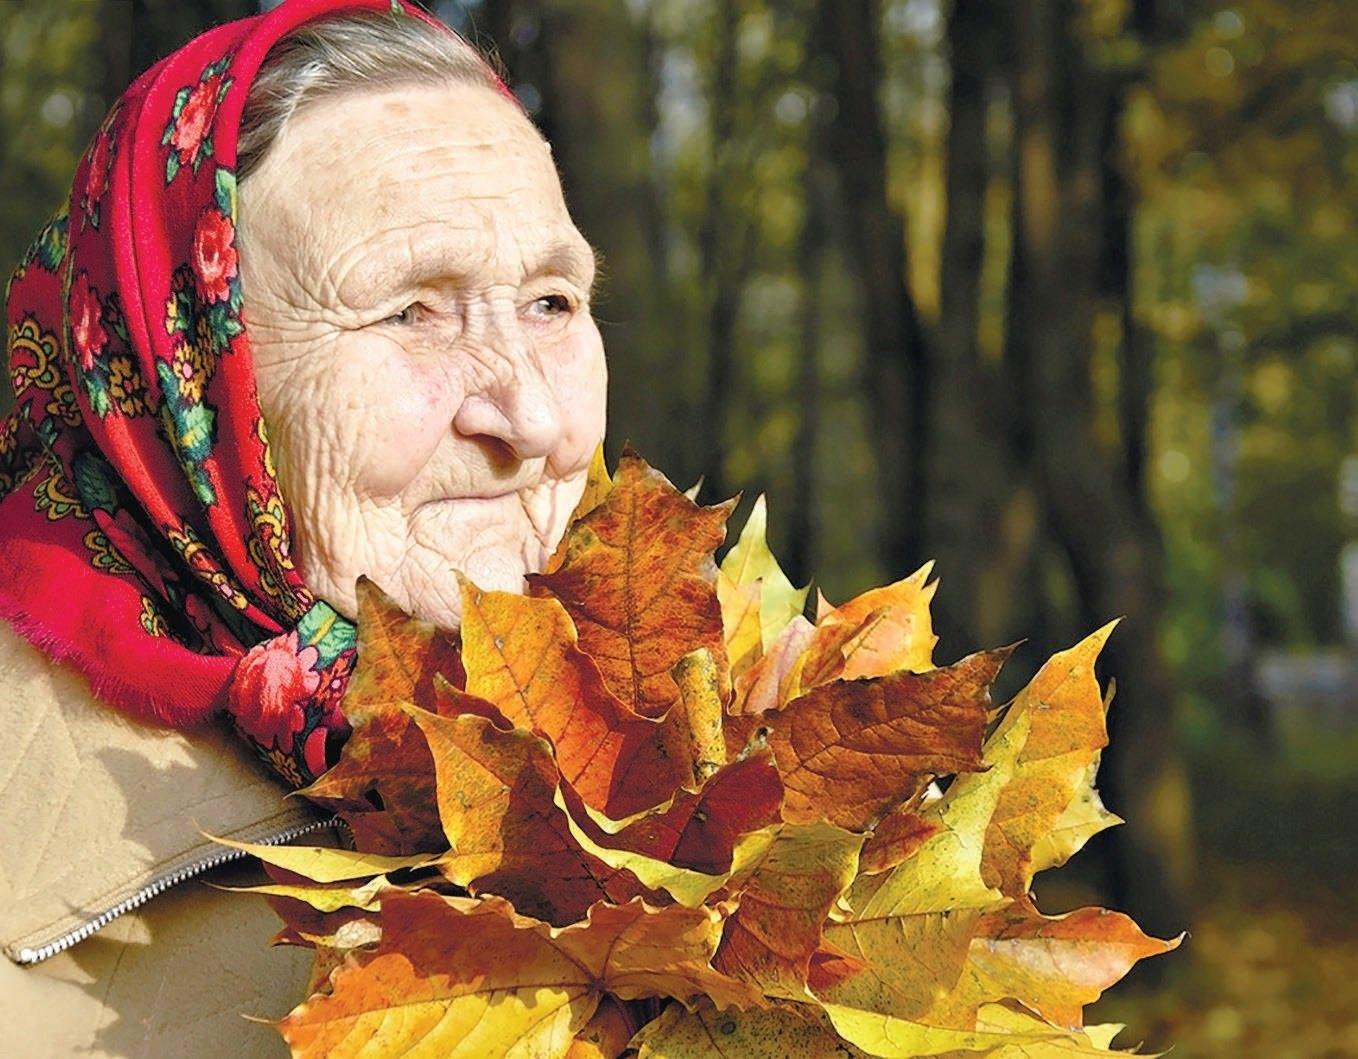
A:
<point x="417" y="300"/>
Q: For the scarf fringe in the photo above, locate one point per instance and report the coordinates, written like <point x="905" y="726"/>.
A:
<point x="138" y="703"/>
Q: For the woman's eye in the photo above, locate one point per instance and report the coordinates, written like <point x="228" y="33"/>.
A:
<point x="406" y="316"/>
<point x="552" y="305"/>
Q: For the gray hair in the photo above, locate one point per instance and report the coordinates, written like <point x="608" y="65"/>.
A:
<point x="348" y="50"/>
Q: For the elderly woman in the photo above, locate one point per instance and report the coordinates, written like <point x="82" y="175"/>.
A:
<point x="316" y="309"/>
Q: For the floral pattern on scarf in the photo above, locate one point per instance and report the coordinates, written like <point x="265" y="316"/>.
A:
<point x="143" y="537"/>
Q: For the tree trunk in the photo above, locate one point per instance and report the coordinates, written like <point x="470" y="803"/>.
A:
<point x="967" y="481"/>
<point x="717" y="238"/>
<point x="897" y="365"/>
<point x="1062" y="106"/>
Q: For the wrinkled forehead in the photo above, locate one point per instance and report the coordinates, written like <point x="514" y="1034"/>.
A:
<point x="364" y="163"/>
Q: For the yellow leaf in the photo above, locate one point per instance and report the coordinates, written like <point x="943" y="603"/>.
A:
<point x="1081" y="820"/>
<point x="1049" y="737"/>
<point x="322" y="898"/>
<point x="324" y="865"/>
<point x="597" y="486"/>
<point x="740" y="621"/>
<point x="750" y="561"/>
<point x="782" y="1031"/>
<point x="896" y="1038"/>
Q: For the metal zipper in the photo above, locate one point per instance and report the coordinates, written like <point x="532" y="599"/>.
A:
<point x="160" y="885"/>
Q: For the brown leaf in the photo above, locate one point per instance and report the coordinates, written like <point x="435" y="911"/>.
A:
<point x="781" y="1031"/>
<point x="850" y="749"/>
<point x="521" y="654"/>
<point x="638" y="579"/>
<point x="771" y="936"/>
<point x="495" y="791"/>
<point x="699" y="829"/>
<point x="382" y="786"/>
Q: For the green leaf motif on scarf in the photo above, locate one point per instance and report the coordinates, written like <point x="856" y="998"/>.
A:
<point x="325" y="629"/>
<point x="95" y="481"/>
<point x="190" y="428"/>
<point x="226" y="192"/>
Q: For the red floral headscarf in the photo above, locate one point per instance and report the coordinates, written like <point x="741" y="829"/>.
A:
<point x="143" y="539"/>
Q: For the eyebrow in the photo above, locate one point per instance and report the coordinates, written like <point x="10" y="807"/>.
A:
<point x="574" y="258"/>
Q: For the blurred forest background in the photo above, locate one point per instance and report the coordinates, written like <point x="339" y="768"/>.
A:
<point x="1060" y="293"/>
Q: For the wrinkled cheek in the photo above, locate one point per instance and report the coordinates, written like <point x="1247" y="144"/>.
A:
<point x="581" y="384"/>
<point x="408" y="411"/>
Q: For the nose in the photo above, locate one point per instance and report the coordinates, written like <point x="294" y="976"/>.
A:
<point x="515" y="403"/>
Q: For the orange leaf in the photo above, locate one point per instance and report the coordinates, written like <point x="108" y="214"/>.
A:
<point x="1052" y="733"/>
<point x="850" y="749"/>
<point x="398" y="657"/>
<point x="897" y="835"/>
<point x="770" y="938"/>
<point x="639" y="581"/>
<point x="883" y="630"/>
<point x="495" y="792"/>
<point x="521" y="654"/>
<point x="1054" y="965"/>
<point x="699" y="829"/>
<point x="605" y="1036"/>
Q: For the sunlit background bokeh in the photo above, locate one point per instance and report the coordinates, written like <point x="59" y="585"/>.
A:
<point x="1063" y="294"/>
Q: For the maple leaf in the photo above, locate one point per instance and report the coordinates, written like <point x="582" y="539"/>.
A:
<point x="750" y="562"/>
<point x="1051" y="735"/>
<point x="881" y="631"/>
<point x="638" y="579"/>
<point x="783" y="901"/>
<point x="382" y="785"/>
<point x="775" y="678"/>
<point x="696" y="829"/>
<point x="460" y="977"/>
<point x="521" y="654"/>
<point x="776" y="1032"/>
<point x="507" y="836"/>
<point x="849" y="749"/>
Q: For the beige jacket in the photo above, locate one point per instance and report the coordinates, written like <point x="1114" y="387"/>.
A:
<point x="116" y="946"/>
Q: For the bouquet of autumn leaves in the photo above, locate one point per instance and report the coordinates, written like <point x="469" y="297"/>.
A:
<point x="651" y="808"/>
